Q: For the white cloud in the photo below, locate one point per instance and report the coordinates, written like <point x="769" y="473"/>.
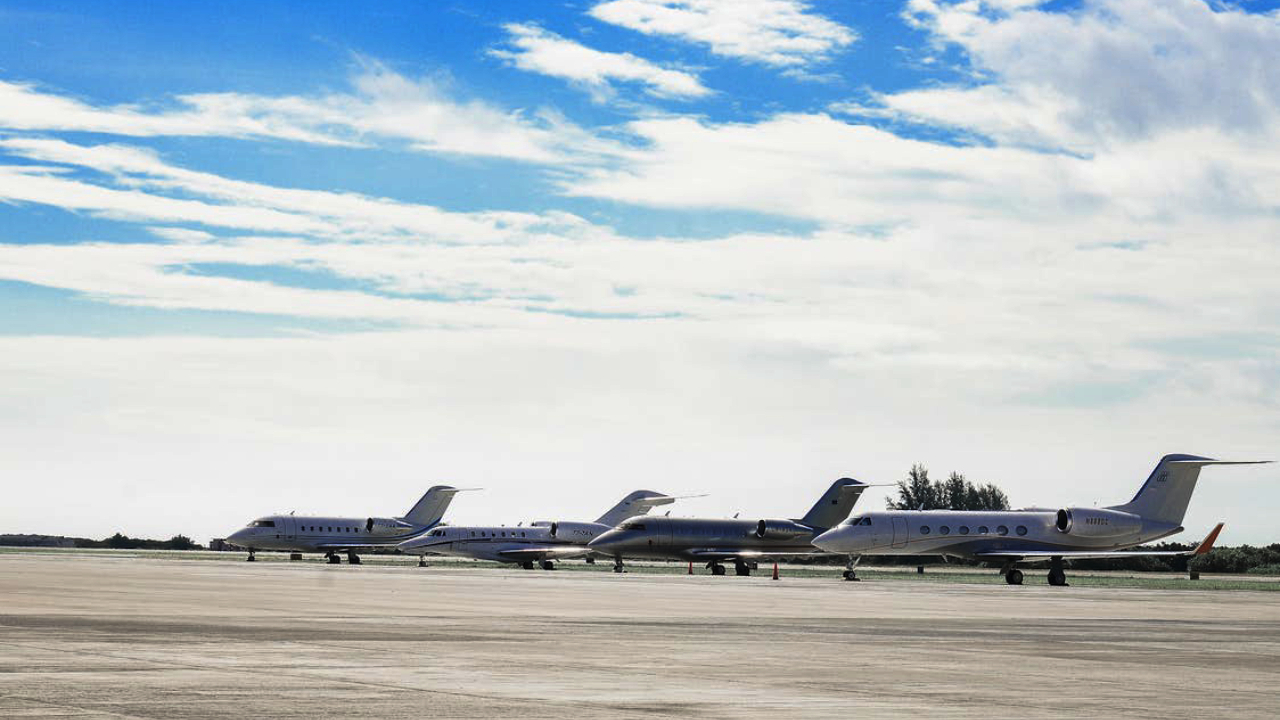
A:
<point x="538" y="50"/>
<point x="1111" y="72"/>
<point x="779" y="33"/>
<point x="383" y="107"/>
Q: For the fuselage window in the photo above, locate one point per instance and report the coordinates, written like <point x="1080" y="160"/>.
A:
<point x="964" y="529"/>
<point x="1022" y="529"/>
<point x="924" y="529"/>
<point x="982" y="530"/>
<point x="945" y="530"/>
<point x="1002" y="530"/>
<point x="263" y="523"/>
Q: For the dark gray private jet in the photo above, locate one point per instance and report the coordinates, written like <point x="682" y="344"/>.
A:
<point x="742" y="542"/>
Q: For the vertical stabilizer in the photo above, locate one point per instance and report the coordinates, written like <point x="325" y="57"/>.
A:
<point x="431" y="507"/>
<point x="1164" y="497"/>
<point x="637" y="503"/>
<point x="835" y="504"/>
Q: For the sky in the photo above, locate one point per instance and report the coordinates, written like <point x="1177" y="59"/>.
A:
<point x="319" y="256"/>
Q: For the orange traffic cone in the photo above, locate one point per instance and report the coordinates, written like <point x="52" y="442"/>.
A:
<point x="775" y="571"/>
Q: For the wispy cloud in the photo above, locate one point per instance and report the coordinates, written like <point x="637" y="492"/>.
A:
<point x="541" y="51"/>
<point x="382" y="107"/>
<point x="778" y="33"/>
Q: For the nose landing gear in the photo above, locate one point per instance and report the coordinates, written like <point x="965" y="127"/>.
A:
<point x="617" y="564"/>
<point x="851" y="568"/>
<point x="251" y="558"/>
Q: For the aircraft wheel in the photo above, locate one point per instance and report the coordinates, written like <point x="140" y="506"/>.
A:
<point x="717" y="569"/>
<point x="353" y="559"/>
<point x="548" y="565"/>
<point x="742" y="570"/>
<point x="1013" y="577"/>
<point x="251" y="558"/>
<point x="527" y="564"/>
<point x="851" y="575"/>
<point x="334" y="559"/>
<point x="1057" y="578"/>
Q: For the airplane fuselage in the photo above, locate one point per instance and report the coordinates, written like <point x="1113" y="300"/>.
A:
<point x="503" y="543"/>
<point x="966" y="534"/>
<point x="321" y="534"/>
<point x="704" y="539"/>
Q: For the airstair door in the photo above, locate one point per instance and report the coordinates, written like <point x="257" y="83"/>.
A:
<point x="899" y="532"/>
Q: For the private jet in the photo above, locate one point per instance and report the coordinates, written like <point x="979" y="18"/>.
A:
<point x="1035" y="535"/>
<point x="333" y="535"/>
<point x="716" y="541"/>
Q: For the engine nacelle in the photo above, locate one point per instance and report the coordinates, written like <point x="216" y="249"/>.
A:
<point x="780" y="530"/>
<point x="386" y="526"/>
<point x="1093" y="522"/>
<point x="577" y="532"/>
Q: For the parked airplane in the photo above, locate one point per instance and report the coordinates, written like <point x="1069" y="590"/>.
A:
<point x="332" y="535"/>
<point x="744" y="542"/>
<point x="1033" y="535"/>
<point x="542" y="542"/>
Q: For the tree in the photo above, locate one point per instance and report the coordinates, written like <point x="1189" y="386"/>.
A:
<point x="918" y="492"/>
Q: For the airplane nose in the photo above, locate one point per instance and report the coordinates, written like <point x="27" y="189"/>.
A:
<point x="830" y="541"/>
<point x="605" y="542"/>
<point x="238" y="537"/>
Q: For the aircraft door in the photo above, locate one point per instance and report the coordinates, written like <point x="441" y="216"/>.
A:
<point x="290" y="527"/>
<point x="899" y="532"/>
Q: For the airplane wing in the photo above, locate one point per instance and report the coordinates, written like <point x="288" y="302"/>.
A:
<point x="545" y="552"/>
<point x="1205" y="546"/>
<point x="710" y="554"/>
<point x="337" y="547"/>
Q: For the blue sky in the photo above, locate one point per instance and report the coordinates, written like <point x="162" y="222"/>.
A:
<point x="251" y="253"/>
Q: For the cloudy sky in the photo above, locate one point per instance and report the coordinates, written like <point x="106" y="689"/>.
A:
<point x="320" y="256"/>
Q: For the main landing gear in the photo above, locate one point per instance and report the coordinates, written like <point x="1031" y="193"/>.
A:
<point x="548" y="565"/>
<point x="527" y="565"/>
<point x="333" y="558"/>
<point x="716" y="568"/>
<point x="1013" y="576"/>
<point x="741" y="569"/>
<point x="1057" y="575"/>
<point x="851" y="568"/>
<point x="352" y="558"/>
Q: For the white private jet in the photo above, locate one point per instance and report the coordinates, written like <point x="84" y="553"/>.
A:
<point x="332" y="535"/>
<point x="1012" y="537"/>
<point x="541" y="542"/>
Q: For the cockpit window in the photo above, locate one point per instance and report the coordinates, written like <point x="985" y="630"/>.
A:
<point x="632" y="526"/>
<point x="865" y="521"/>
<point x="263" y="523"/>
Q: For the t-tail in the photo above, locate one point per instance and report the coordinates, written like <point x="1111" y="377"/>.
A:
<point x="637" y="503"/>
<point x="430" y="509"/>
<point x="1164" y="497"/>
<point x="835" y="504"/>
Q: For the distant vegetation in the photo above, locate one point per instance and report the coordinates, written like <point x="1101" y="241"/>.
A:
<point x="918" y="492"/>
<point x="124" y="542"/>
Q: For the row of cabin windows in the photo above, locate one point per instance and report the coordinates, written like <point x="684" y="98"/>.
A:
<point x="317" y="528"/>
<point x="982" y="530"/>
<point x="442" y="533"/>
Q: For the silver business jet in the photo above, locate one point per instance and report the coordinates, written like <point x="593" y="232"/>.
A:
<point x="1034" y="535"/>
<point x="542" y="542"/>
<point x="715" y="541"/>
<point x="332" y="535"/>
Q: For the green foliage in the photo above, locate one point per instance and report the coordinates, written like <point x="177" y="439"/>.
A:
<point x="918" y="492"/>
<point x="120" y="541"/>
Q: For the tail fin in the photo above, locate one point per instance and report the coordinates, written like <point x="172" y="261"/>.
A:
<point x="637" y="503"/>
<point x="835" y="504"/>
<point x="1165" y="495"/>
<point x="432" y="506"/>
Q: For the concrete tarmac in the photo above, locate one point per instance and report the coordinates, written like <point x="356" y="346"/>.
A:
<point x="93" y="637"/>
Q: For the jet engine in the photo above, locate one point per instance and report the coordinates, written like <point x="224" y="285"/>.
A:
<point x="387" y="526"/>
<point x="1093" y="522"/>
<point x="780" y="530"/>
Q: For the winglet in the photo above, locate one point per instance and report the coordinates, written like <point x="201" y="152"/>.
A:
<point x="1207" y="544"/>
